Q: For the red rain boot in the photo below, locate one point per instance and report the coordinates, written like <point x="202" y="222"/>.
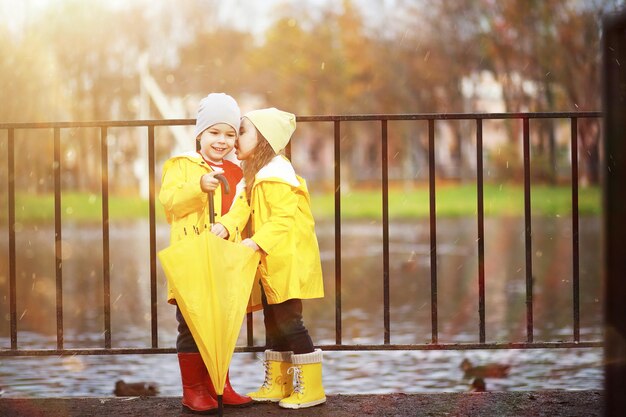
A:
<point x="197" y="398"/>
<point x="230" y="398"/>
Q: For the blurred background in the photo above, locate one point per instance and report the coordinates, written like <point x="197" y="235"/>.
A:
<point x="72" y="60"/>
<point x="81" y="60"/>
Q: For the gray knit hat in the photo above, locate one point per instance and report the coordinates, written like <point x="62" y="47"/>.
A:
<point x="217" y="108"/>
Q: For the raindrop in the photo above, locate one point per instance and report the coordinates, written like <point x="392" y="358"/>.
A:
<point x="323" y="66"/>
<point x="117" y="299"/>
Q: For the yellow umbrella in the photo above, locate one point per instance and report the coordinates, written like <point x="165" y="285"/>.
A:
<point x="212" y="280"/>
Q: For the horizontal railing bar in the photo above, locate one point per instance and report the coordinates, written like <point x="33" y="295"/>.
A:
<point x="464" y="346"/>
<point x="105" y="123"/>
<point x="320" y="118"/>
<point x="445" y="116"/>
<point x="242" y="349"/>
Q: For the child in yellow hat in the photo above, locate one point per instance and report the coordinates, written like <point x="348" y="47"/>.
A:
<point x="187" y="178"/>
<point x="277" y="202"/>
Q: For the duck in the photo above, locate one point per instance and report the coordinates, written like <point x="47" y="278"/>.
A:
<point x="490" y="370"/>
<point x="135" y="389"/>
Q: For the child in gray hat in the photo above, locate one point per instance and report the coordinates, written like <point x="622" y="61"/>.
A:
<point x="186" y="180"/>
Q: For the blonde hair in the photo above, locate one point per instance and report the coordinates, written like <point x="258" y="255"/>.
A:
<point x="263" y="154"/>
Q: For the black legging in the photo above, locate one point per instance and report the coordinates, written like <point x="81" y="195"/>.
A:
<point x="284" y="329"/>
<point x="184" y="340"/>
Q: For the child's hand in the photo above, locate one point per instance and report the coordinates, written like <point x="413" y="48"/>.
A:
<point x="251" y="244"/>
<point x="219" y="230"/>
<point x="208" y="182"/>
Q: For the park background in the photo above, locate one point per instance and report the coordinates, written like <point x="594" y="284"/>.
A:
<point x="70" y="60"/>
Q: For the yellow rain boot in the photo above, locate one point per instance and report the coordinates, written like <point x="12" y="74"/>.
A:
<point x="278" y="383"/>
<point x="308" y="390"/>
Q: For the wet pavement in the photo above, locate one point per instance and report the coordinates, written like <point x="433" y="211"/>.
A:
<point x="483" y="404"/>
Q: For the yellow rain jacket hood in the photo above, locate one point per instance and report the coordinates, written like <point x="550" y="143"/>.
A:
<point x="282" y="225"/>
<point x="185" y="204"/>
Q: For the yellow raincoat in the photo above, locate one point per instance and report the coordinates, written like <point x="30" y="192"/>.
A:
<point x="283" y="227"/>
<point x="185" y="204"/>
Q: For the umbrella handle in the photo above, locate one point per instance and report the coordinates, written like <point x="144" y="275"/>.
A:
<point x="224" y="182"/>
<point x="220" y="405"/>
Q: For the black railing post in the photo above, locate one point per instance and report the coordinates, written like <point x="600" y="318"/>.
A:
<point x="337" y="135"/>
<point x="575" y="243"/>
<point x="433" y="231"/>
<point x="614" y="178"/>
<point x="153" y="271"/>
<point x="58" y="242"/>
<point x="481" y="229"/>
<point x="528" y="232"/>
<point x="11" y="227"/>
<point x="385" y="211"/>
<point x="106" y="267"/>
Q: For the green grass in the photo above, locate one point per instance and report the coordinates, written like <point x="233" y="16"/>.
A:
<point x="460" y="200"/>
<point x="451" y="200"/>
<point x="80" y="207"/>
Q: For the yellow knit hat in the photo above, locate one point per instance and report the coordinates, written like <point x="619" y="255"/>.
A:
<point x="275" y="125"/>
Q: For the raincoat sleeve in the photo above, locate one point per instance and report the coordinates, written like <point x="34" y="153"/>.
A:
<point x="180" y="193"/>
<point x="283" y="206"/>
<point x="237" y="217"/>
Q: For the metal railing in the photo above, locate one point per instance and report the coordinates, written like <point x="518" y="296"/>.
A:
<point x="336" y="121"/>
